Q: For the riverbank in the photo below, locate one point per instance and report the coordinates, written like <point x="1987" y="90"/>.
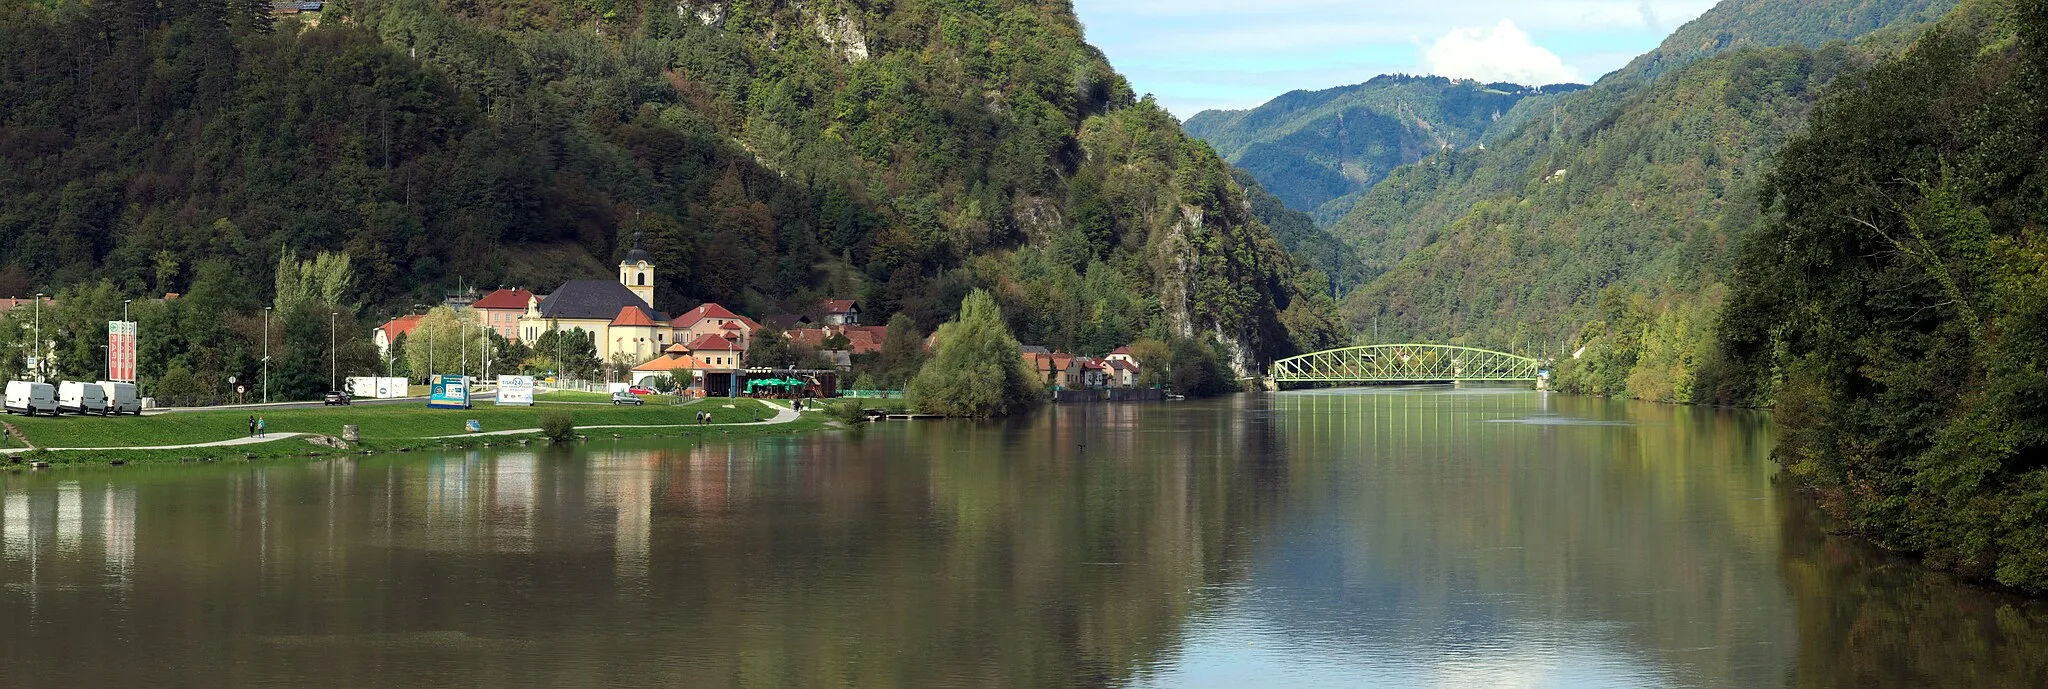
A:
<point x="217" y="436"/>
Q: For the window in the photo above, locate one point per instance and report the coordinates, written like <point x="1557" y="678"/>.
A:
<point x="643" y="280"/>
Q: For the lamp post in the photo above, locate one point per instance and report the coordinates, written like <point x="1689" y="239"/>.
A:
<point x="266" y="354"/>
<point x="39" y="337"/>
<point x="333" y="355"/>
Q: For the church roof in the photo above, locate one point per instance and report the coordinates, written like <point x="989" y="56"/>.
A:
<point x="596" y="300"/>
<point x="637" y="255"/>
<point x="636" y="317"/>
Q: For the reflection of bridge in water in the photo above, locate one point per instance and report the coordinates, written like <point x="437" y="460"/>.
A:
<point x="1408" y="363"/>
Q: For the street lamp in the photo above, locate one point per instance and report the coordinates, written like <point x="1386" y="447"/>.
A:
<point x="39" y="337"/>
<point x="124" y="308"/>
<point x="266" y="354"/>
<point x="333" y="355"/>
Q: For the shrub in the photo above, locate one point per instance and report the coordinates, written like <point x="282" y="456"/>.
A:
<point x="850" y="412"/>
<point x="558" y="425"/>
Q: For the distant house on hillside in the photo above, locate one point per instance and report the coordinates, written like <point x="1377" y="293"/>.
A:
<point x="712" y="319"/>
<point x="841" y="311"/>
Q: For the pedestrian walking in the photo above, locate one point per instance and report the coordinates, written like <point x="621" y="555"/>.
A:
<point x="262" y="428"/>
<point x="252" y="426"/>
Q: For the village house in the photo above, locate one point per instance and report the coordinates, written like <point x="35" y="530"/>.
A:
<point x="391" y="330"/>
<point x="712" y="319"/>
<point x="1123" y="373"/>
<point x="1094" y="374"/>
<point x="500" y="311"/>
<point x="841" y="311"/>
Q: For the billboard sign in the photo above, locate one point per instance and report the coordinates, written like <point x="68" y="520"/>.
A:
<point x="121" y="351"/>
<point x="515" y="391"/>
<point x="450" y="392"/>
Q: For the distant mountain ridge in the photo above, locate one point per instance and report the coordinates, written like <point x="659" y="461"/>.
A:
<point x="1317" y="150"/>
<point x="1610" y="204"/>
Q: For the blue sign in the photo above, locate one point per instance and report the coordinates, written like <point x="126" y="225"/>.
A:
<point x="450" y="392"/>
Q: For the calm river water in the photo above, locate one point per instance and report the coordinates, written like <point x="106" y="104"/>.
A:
<point x="1412" y="537"/>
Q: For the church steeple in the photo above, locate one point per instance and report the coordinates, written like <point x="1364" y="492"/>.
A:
<point x="636" y="272"/>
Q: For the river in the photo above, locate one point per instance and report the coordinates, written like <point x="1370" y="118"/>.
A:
<point x="1430" y="537"/>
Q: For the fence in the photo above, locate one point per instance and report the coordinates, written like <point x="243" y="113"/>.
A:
<point x="873" y="394"/>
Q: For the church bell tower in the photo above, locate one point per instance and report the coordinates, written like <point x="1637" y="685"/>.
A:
<point x="636" y="272"/>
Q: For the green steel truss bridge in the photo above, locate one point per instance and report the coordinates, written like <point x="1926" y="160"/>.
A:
<point x="1407" y="363"/>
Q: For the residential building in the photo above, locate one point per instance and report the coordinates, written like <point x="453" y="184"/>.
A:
<point x="1121" y="354"/>
<point x="500" y="311"/>
<point x="637" y="333"/>
<point x="1123" y="373"/>
<point x="841" y="311"/>
<point x="1094" y="374"/>
<point x="716" y="353"/>
<point x="674" y="361"/>
<point x="391" y="330"/>
<point x="712" y="319"/>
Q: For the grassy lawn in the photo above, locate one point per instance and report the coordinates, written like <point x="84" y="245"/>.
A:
<point x="377" y="423"/>
<point x="600" y="397"/>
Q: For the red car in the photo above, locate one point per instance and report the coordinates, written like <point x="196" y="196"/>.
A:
<point x="638" y="390"/>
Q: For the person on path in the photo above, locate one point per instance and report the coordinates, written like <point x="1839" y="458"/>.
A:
<point x="252" y="426"/>
<point x="262" y="428"/>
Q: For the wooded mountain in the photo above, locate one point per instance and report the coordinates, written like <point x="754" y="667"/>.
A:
<point x="1317" y="150"/>
<point x="1615" y="211"/>
<point x="768" y="153"/>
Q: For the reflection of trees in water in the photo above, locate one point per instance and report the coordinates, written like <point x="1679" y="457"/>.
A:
<point x="1460" y="514"/>
<point x="1867" y="618"/>
<point x="1065" y="550"/>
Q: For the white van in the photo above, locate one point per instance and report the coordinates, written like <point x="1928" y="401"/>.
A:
<point x="121" y="398"/>
<point x="81" y="398"/>
<point x="24" y="397"/>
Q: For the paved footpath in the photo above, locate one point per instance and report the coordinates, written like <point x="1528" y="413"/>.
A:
<point x="782" y="415"/>
<point x="272" y="437"/>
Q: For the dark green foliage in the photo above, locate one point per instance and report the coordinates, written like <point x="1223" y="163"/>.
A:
<point x="1316" y="250"/>
<point x="1896" y="310"/>
<point x="569" y="354"/>
<point x="769" y="154"/>
<point x="976" y="369"/>
<point x="558" y="426"/>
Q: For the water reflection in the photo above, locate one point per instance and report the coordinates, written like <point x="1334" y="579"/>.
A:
<point x="1432" y="537"/>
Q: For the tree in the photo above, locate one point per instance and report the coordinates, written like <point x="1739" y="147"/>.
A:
<point x="977" y="370"/>
<point x="902" y="352"/>
<point x="442" y="341"/>
<point x="571" y="354"/>
<point x="326" y="279"/>
<point x="771" y="349"/>
<point x="508" y="356"/>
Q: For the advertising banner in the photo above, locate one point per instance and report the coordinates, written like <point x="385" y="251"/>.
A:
<point x="376" y="388"/>
<point x="121" y="351"/>
<point x="450" y="392"/>
<point x="515" y="391"/>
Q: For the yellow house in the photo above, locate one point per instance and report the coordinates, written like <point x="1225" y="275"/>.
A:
<point x="619" y="316"/>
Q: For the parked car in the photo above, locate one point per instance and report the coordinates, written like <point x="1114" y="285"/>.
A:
<point x="641" y="390"/>
<point x="121" y="398"/>
<point x="24" y="397"/>
<point x="624" y="397"/>
<point x="81" y="398"/>
<point x="335" y="397"/>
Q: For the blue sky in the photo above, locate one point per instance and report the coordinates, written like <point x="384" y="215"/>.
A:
<point x="1201" y="54"/>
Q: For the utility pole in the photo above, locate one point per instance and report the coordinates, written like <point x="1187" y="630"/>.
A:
<point x="39" y="337"/>
<point x="266" y="354"/>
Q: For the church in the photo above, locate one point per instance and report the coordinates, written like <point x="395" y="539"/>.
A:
<point x="620" y="316"/>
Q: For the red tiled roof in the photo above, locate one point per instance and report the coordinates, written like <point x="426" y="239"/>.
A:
<point x="668" y="363"/>
<point x="713" y="343"/>
<point x="862" y="341"/>
<point x="633" y="317"/>
<point x="399" y="326"/>
<point x="808" y="337"/>
<point x="1122" y="365"/>
<point x="749" y="322"/>
<point x="691" y="317"/>
<point x="729" y="326"/>
<point x="838" y="306"/>
<point x="1126" y="351"/>
<point x="504" y="299"/>
<point x="1091" y="364"/>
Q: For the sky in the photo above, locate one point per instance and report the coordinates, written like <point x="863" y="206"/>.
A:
<point x="1201" y="54"/>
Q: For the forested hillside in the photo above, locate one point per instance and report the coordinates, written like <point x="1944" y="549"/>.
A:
<point x="1317" y="150"/>
<point x="769" y="153"/>
<point x="1895" y="306"/>
<point x="1610" y="221"/>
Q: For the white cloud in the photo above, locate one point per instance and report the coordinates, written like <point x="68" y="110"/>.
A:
<point x="1500" y="52"/>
